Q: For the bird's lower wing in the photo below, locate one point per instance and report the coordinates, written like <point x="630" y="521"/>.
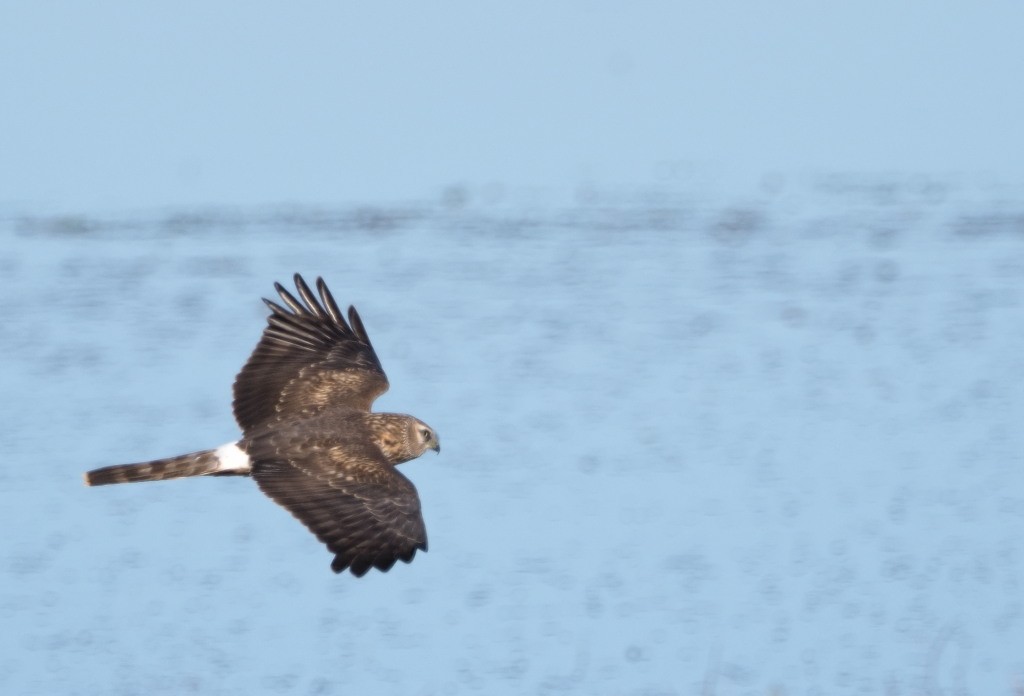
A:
<point x="367" y="513"/>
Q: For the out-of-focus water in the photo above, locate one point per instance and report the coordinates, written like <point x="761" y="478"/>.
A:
<point x="718" y="448"/>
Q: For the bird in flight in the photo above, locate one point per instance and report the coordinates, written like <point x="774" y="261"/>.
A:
<point x="310" y="440"/>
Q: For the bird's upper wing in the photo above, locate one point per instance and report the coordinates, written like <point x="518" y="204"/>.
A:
<point x="361" y="507"/>
<point x="308" y="358"/>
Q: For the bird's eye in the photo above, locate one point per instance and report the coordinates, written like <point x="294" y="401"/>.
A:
<point x="425" y="433"/>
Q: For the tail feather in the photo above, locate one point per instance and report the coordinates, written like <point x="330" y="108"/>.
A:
<point x="194" y="464"/>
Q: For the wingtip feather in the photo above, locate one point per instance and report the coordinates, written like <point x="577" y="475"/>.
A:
<point x="357" y="324"/>
<point x="275" y="307"/>
<point x="328" y="299"/>
<point x="290" y="300"/>
<point x="309" y="298"/>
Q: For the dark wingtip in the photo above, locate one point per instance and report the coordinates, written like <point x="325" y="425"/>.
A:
<point x="275" y="307"/>
<point x="356" y="322"/>
<point x="300" y="282"/>
<point x="328" y="299"/>
<point x="293" y="304"/>
<point x="310" y="299"/>
<point x="356" y="567"/>
<point x="360" y="567"/>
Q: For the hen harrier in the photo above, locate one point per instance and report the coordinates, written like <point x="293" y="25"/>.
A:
<point x="309" y="439"/>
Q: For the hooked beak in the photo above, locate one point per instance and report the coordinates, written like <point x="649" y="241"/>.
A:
<point x="437" y="445"/>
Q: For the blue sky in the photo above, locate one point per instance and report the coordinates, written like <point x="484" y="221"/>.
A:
<point x="117" y="106"/>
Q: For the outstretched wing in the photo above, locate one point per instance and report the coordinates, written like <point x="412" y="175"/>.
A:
<point x="308" y="358"/>
<point x="366" y="512"/>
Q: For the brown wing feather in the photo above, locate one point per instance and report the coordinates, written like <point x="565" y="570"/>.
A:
<point x="366" y="512"/>
<point x="308" y="358"/>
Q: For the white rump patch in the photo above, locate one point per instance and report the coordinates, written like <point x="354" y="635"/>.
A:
<point x="230" y="457"/>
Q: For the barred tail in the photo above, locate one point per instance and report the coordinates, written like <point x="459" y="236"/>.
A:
<point x="194" y="464"/>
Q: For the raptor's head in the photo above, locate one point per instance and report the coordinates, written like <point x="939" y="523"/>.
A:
<point x="402" y="438"/>
<point x="422" y="437"/>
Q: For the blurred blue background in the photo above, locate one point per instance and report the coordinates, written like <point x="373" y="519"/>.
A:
<point x="716" y="309"/>
<point x="114" y="105"/>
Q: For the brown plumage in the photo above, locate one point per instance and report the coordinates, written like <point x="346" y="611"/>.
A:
<point x="194" y="464"/>
<point x="309" y="439"/>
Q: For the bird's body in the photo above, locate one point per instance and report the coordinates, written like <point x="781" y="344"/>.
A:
<point x="309" y="439"/>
